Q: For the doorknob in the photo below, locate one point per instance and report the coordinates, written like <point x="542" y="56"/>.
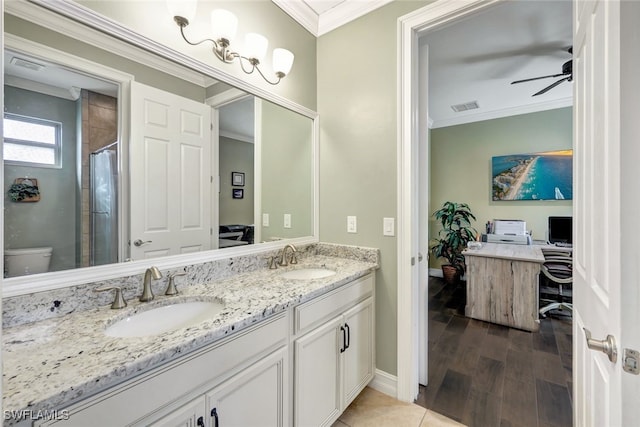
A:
<point x="420" y="257"/>
<point x="607" y="346"/>
<point x="139" y="242"/>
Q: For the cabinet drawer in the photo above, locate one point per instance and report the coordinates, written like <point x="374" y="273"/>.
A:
<point x="320" y="309"/>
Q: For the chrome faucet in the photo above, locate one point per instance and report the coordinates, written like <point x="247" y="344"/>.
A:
<point x="283" y="257"/>
<point x="147" y="293"/>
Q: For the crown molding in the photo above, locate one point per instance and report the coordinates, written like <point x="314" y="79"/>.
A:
<point x="55" y="22"/>
<point x="345" y="12"/>
<point x="301" y="13"/>
<point x="504" y="112"/>
<point x="238" y="137"/>
<point x="333" y="18"/>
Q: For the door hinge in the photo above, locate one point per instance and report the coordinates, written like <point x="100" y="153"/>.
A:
<point x="211" y="232"/>
<point x="631" y="361"/>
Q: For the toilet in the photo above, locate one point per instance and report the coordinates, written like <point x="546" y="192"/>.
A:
<point x="21" y="262"/>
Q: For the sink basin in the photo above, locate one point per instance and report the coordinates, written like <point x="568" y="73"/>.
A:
<point x="308" y="273"/>
<point x="165" y="318"/>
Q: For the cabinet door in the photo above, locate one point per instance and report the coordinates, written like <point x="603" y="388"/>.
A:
<point x="358" y="358"/>
<point x="256" y="397"/>
<point x="188" y="415"/>
<point x="317" y="369"/>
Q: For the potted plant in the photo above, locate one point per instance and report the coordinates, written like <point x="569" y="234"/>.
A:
<point x="452" y="239"/>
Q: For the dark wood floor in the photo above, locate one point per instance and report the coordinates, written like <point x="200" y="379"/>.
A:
<point x="484" y="375"/>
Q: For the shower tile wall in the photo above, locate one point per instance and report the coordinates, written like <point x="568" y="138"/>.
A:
<point x="99" y="129"/>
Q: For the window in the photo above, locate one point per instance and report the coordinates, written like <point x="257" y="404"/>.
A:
<point x="31" y="141"/>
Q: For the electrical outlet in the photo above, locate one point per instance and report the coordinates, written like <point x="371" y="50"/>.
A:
<point x="388" y="226"/>
<point x="352" y="224"/>
<point x="287" y="220"/>
<point x="265" y="219"/>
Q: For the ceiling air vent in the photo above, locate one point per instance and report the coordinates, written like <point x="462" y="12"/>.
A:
<point x="466" y="106"/>
<point x="19" y="62"/>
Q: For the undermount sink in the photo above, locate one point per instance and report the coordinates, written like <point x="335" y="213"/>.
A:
<point x="308" y="273"/>
<point x="163" y="319"/>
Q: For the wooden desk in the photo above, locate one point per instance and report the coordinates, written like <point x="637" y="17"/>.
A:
<point x="502" y="284"/>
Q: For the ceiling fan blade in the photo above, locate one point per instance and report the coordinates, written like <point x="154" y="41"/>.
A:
<point x="538" y="78"/>
<point x="551" y="86"/>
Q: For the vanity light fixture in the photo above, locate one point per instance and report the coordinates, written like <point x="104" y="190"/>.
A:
<point x="224" y="25"/>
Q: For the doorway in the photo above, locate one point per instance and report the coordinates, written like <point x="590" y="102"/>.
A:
<point x="447" y="14"/>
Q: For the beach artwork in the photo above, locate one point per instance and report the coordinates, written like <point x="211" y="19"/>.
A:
<point x="535" y="176"/>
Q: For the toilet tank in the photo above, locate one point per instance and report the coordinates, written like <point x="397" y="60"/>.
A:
<point x="21" y="262"/>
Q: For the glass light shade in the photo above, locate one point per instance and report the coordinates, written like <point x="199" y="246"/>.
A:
<point x="282" y="61"/>
<point x="184" y="8"/>
<point x="224" y="24"/>
<point x="255" y="46"/>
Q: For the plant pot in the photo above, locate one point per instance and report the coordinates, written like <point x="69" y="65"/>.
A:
<point x="450" y="274"/>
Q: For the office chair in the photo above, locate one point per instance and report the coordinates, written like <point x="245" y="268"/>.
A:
<point x="556" y="281"/>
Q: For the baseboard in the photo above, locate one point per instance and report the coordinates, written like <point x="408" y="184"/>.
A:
<point x="385" y="383"/>
<point x="435" y="272"/>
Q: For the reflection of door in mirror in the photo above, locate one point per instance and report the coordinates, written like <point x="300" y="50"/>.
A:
<point x="81" y="114"/>
<point x="170" y="174"/>
<point x="236" y="146"/>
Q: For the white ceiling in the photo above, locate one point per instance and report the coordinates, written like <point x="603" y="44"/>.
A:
<point x="477" y="58"/>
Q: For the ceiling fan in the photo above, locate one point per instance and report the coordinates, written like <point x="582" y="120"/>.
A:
<point x="567" y="76"/>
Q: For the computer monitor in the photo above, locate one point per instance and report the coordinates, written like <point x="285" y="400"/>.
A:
<point x="560" y="229"/>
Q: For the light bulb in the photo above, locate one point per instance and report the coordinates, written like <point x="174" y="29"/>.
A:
<point x="224" y="24"/>
<point x="255" y="46"/>
<point x="282" y="61"/>
<point x="184" y="8"/>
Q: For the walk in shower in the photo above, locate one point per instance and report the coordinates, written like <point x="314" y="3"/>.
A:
<point x="104" y="205"/>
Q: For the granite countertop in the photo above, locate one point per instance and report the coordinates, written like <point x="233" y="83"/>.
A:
<point x="51" y="363"/>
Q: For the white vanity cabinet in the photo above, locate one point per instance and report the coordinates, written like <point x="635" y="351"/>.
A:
<point x="334" y="355"/>
<point x="249" y="367"/>
<point x="262" y="386"/>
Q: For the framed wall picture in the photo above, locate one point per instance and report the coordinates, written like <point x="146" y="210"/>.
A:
<point x="535" y="176"/>
<point x="237" y="179"/>
<point x="238" y="193"/>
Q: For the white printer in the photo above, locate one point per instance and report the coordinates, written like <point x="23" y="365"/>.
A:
<point x="509" y="231"/>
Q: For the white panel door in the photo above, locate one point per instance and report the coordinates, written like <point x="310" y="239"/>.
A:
<point x="596" y="207"/>
<point x="170" y="174"/>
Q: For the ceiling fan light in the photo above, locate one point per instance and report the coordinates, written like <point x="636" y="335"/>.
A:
<point x="282" y="61"/>
<point x="224" y="24"/>
<point x="183" y="8"/>
<point x="255" y="46"/>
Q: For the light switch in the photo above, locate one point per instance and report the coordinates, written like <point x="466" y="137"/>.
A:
<point x="352" y="224"/>
<point x="388" y="226"/>
<point x="287" y="220"/>
<point x="265" y="219"/>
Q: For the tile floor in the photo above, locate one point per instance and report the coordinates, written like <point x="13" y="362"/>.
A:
<point x="375" y="409"/>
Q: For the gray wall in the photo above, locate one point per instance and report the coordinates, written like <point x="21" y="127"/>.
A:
<point x="287" y="178"/>
<point x="150" y="18"/>
<point x="460" y="167"/>
<point x="142" y="73"/>
<point x="236" y="156"/>
<point x="50" y="221"/>
<point x="357" y="93"/>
